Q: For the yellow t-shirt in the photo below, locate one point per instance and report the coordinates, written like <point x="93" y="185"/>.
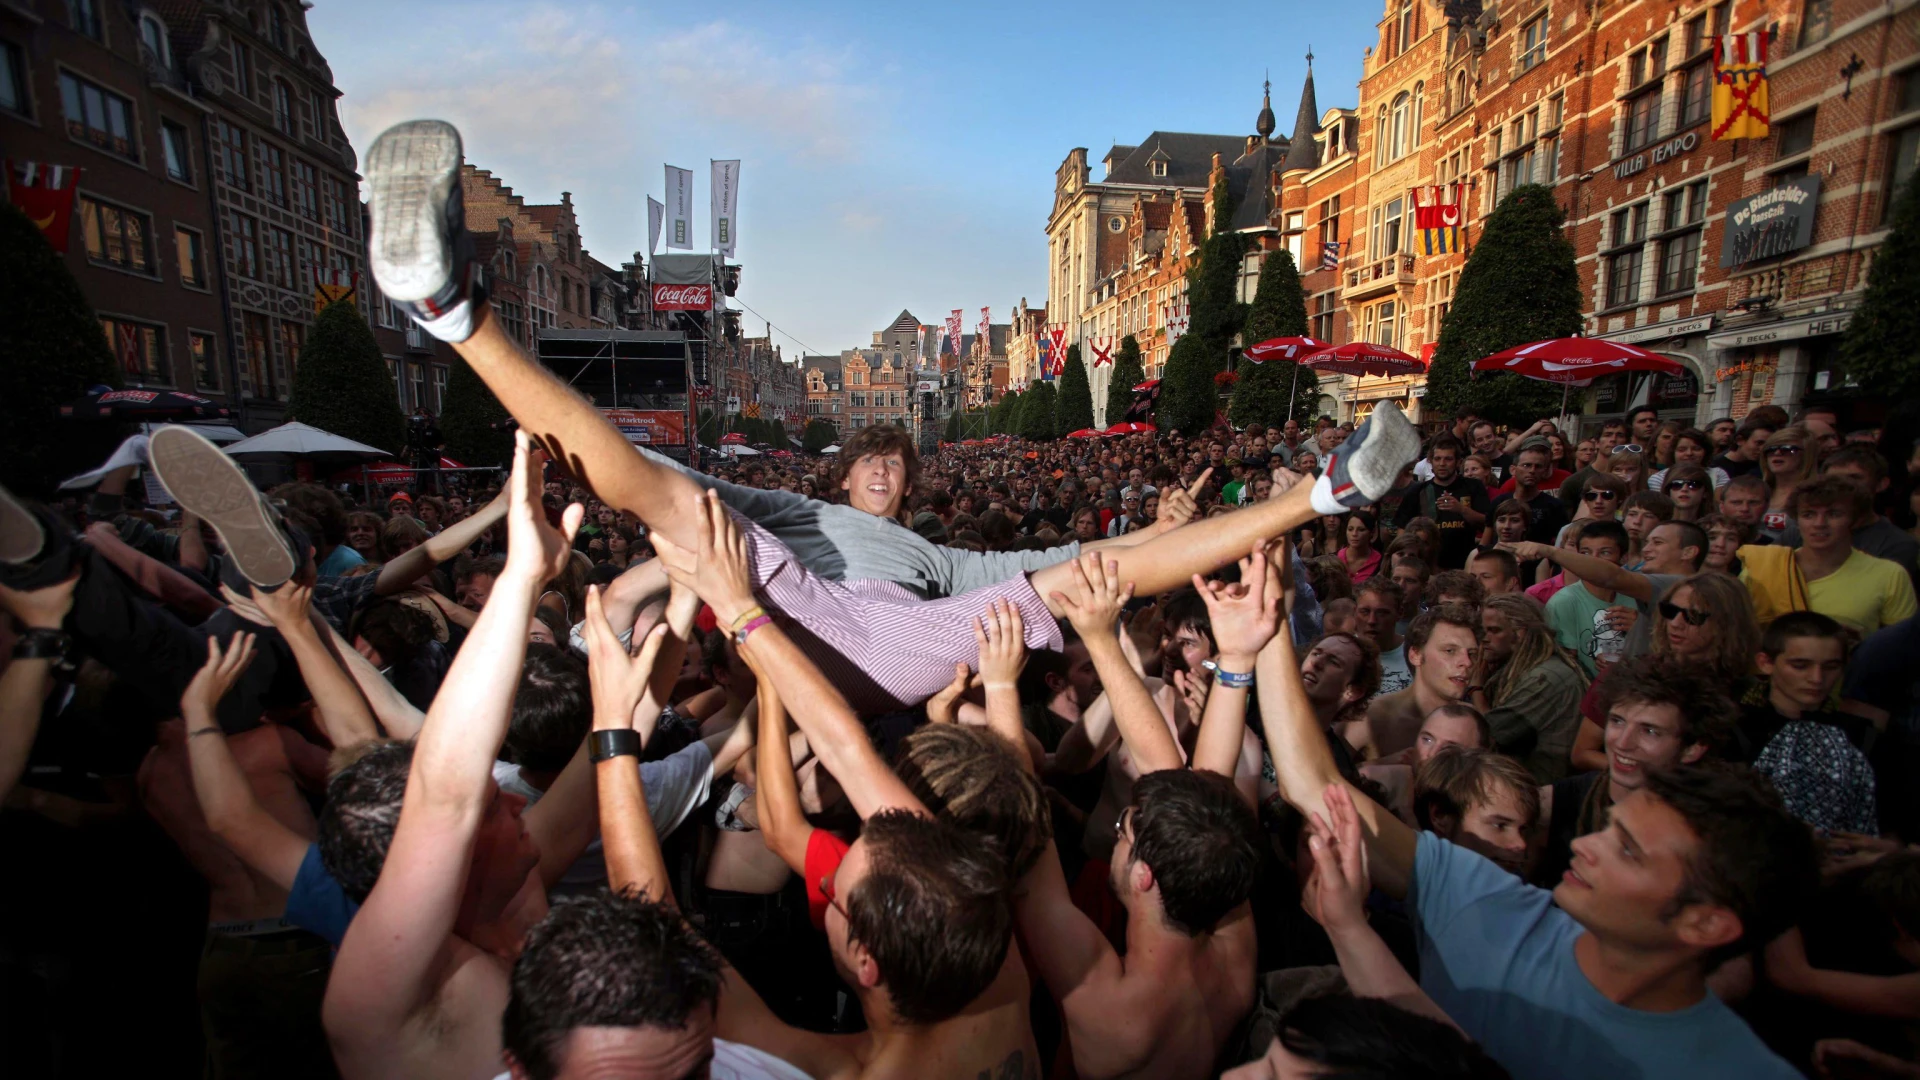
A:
<point x="1866" y="593"/>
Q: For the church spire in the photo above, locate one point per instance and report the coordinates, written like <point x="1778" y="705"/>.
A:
<point x="1303" y="152"/>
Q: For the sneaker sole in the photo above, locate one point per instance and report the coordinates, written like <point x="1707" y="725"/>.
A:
<point x="21" y="536"/>
<point x="1391" y="445"/>
<point x="206" y="481"/>
<point x="412" y="169"/>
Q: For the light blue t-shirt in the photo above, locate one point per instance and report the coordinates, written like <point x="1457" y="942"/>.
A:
<point x="340" y="560"/>
<point x="1497" y="956"/>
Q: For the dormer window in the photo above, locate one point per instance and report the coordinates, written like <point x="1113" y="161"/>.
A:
<point x="1157" y="168"/>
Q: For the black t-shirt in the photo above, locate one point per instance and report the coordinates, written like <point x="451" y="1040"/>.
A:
<point x="1735" y="468"/>
<point x="1569" y="798"/>
<point x="1057" y="516"/>
<point x="1457" y="537"/>
<point x="1549" y="516"/>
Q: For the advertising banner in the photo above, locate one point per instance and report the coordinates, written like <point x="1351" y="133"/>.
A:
<point x="726" y="204"/>
<point x="649" y="427"/>
<point x="1771" y="223"/>
<point x="656" y="215"/>
<point x="682" y="282"/>
<point x="679" y="208"/>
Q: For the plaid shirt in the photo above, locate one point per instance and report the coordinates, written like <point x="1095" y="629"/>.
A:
<point x="338" y="598"/>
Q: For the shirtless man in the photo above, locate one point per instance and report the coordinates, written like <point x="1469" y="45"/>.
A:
<point x="421" y="979"/>
<point x="883" y="650"/>
<point x="1183" y="865"/>
<point x="1442" y="645"/>
<point x="917" y="916"/>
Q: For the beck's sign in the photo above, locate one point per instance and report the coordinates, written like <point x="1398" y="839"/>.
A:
<point x="1771" y="223"/>
<point x="682" y="297"/>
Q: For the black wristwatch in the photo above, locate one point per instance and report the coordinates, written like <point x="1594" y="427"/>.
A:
<point x="43" y="643"/>
<point x="613" y="743"/>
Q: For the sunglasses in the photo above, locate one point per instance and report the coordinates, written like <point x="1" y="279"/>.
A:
<point x="1671" y="611"/>
<point x="1686" y="485"/>
<point x="1788" y="448"/>
<point x="1625" y="448"/>
<point x="1596" y="496"/>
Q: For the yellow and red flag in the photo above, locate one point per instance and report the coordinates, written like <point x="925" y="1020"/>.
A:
<point x="1740" y="86"/>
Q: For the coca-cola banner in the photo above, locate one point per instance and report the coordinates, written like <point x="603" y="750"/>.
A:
<point x="726" y="204"/>
<point x="669" y="297"/>
<point x="679" y="208"/>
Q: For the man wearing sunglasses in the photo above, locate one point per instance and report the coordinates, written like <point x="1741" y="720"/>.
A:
<point x="1612" y="434"/>
<point x="1672" y="550"/>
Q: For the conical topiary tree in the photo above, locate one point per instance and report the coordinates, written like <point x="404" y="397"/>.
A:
<point x="818" y="436"/>
<point x="1003" y="416"/>
<point x="952" y="431"/>
<point x="1279" y="304"/>
<point x="54" y="353"/>
<point x="1519" y="285"/>
<point x="1880" y="350"/>
<point x="1213" y="284"/>
<point x="1036" y="421"/>
<point x="1073" y="409"/>
<point x="472" y="419"/>
<point x="342" y="385"/>
<point x="1189" y="398"/>
<point x="1127" y="374"/>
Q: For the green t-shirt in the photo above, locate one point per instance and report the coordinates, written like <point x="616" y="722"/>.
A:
<point x="1579" y="623"/>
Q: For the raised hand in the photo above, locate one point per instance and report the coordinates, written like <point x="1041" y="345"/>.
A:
<point x="717" y="568"/>
<point x="535" y="549"/>
<point x="286" y="607"/>
<point x="216" y="676"/>
<point x="1098" y="596"/>
<point x="1181" y="505"/>
<point x="1003" y="644"/>
<point x="941" y="707"/>
<point x="619" y="679"/>
<point x="43" y="608"/>
<point x="1194" y="687"/>
<point x="1336" y="891"/>
<point x="1246" y="615"/>
<point x="1528" y="550"/>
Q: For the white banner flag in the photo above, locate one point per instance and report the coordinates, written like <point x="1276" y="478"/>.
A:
<point x="679" y="208"/>
<point x="726" y="204"/>
<point x="656" y="213"/>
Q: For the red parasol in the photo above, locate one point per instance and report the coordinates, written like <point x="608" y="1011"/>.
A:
<point x="1576" y="361"/>
<point x="1364" y="358"/>
<point x="1146" y="386"/>
<point x="1130" y="428"/>
<point x="1283" y="348"/>
<point x="733" y="438"/>
<point x="1083" y="433"/>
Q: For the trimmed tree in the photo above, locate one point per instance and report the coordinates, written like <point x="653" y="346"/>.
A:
<point x="1036" y="422"/>
<point x="708" y="427"/>
<point x="55" y="352"/>
<point x="1213" y="283"/>
<point x="1879" y="348"/>
<point x="952" y="431"/>
<point x="471" y="420"/>
<point x="342" y="384"/>
<point x="1002" y="414"/>
<point x="1127" y="374"/>
<point x="1519" y="285"/>
<point x="1279" y="304"/>
<point x="1261" y="392"/>
<point x="780" y="440"/>
<point x="818" y="436"/>
<point x="1188" y="396"/>
<point x="1073" y="409"/>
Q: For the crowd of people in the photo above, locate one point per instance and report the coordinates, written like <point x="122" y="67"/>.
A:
<point x="1277" y="752"/>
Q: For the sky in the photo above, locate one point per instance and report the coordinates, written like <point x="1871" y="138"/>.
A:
<point x="894" y="155"/>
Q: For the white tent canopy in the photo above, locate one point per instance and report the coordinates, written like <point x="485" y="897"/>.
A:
<point x="834" y="449"/>
<point x="298" y="438"/>
<point x="739" y="451"/>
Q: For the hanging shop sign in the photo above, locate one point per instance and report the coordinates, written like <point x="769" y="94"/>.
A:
<point x="1771" y="223"/>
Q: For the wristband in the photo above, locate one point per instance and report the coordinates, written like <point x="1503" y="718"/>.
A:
<point x="747" y="616"/>
<point x="42" y="643"/>
<point x="212" y="729"/>
<point x="755" y="623"/>
<point x="1232" y="680"/>
<point x="613" y="743"/>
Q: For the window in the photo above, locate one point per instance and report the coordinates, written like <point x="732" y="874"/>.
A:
<point x="115" y="235"/>
<point x="259" y="345"/>
<point x="1902" y="159"/>
<point x="1816" y="22"/>
<point x="1643" y="121"/>
<point x="141" y="348"/>
<point x="98" y="115"/>
<point x="84" y="16"/>
<point x="174" y="142"/>
<point x="1533" y="43"/>
<point x="1795" y="135"/>
<point x="1556" y="111"/>
<point x="320" y="106"/>
<point x="1696" y="94"/>
<point x="305" y="184"/>
<point x="1696" y="41"/>
<point x="1330" y="220"/>
<point x="204" y="357"/>
<point x="246" y="247"/>
<point x="1382" y="324"/>
<point x="1323" y="311"/>
<point x="13" y="79"/>
<point x="283" y="108"/>
<point x="242" y="69"/>
<point x="1419" y="113"/>
<point x="340" y="207"/>
<point x="439" y="388"/>
<point x="153" y="36"/>
<point x="417" y="374"/>
<point x="230" y="154"/>
<point x="1157" y="168"/>
<point x="273" y="175"/>
<point x="1458" y="99"/>
<point x="1380" y="139"/>
<point x="279" y="252"/>
<point x="277" y="27"/>
<point x="1404" y="39"/>
<point x="192" y="259"/>
<point x="399" y="384"/>
<point x="1648" y="63"/>
<point x="1629" y="233"/>
<point x="1402" y="106"/>
<point x="292" y="336"/>
<point x="1680" y="250"/>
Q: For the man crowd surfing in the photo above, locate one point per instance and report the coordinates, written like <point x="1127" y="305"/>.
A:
<point x="1263" y="753"/>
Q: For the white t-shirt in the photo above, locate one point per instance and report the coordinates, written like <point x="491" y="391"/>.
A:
<point x="1395" y="675"/>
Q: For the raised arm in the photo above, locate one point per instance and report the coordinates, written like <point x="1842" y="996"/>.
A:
<point x="1304" y="765"/>
<point x="717" y="571"/>
<point x="344" y="716"/>
<point x="1177" y="507"/>
<point x="632" y="845"/>
<point x="1094" y="611"/>
<point x="413" y="564"/>
<point x="1244" y="617"/>
<point x="383" y="974"/>
<point x="1600" y="572"/>
<point x="25" y="683"/>
<point x="1003" y="653"/>
<point x="396" y="714"/>
<point x="227" y="800"/>
<point x="776" y="789"/>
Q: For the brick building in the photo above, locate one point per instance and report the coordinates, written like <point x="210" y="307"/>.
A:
<point x="1023" y="343"/>
<point x="820" y="376"/>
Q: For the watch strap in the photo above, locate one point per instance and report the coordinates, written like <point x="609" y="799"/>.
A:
<point x="42" y="643"/>
<point x="612" y="743"/>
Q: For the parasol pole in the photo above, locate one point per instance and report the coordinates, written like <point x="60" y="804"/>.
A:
<point x="1292" y="393"/>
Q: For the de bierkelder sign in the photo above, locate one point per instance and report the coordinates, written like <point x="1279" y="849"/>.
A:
<point x="1771" y="223"/>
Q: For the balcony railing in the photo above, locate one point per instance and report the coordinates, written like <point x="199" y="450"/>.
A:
<point x="1376" y="278"/>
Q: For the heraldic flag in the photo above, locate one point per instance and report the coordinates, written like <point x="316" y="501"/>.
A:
<point x="1436" y="213"/>
<point x="1740" y="86"/>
